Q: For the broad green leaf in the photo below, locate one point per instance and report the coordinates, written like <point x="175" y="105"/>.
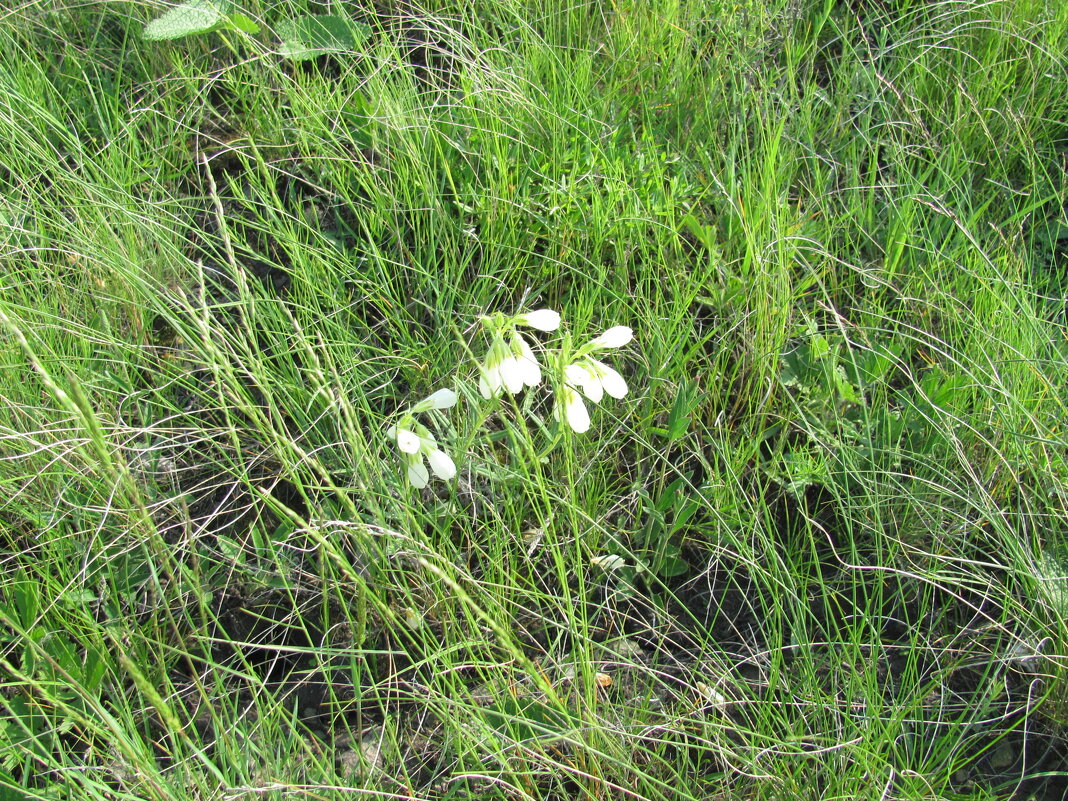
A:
<point x="94" y="668"/>
<point x="526" y="719"/>
<point x="306" y="36"/>
<point x="685" y="509"/>
<point x="243" y="23"/>
<point x="872" y="366"/>
<point x="59" y="647"/>
<point x="667" y="497"/>
<point x="819" y="347"/>
<point x="191" y="17"/>
<point x="705" y="234"/>
<point x="671" y="565"/>
<point x="846" y="390"/>
<point x="27" y="601"/>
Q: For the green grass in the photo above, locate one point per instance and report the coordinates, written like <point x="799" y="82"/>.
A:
<point x="838" y="483"/>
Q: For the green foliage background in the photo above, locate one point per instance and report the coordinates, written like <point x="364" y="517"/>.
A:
<point x="838" y="483"/>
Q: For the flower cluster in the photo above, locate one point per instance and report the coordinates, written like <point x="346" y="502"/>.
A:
<point x="594" y="378"/>
<point x="511" y="366"/>
<point x="510" y="363"/>
<point x="415" y="441"/>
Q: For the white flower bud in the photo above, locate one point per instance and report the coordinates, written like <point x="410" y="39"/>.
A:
<point x="608" y="562"/>
<point x="442" y="464"/>
<point x="417" y="473"/>
<point x="542" y="319"/>
<point x="442" y="399"/>
<point x="575" y="411"/>
<point x="528" y="362"/>
<point x="489" y="383"/>
<point x="615" y="337"/>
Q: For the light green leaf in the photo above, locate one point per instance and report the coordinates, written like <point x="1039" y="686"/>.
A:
<point x="819" y="347"/>
<point x="845" y="390"/>
<point x="679" y="418"/>
<point x="306" y="37"/>
<point x="231" y="550"/>
<point x="191" y="17"/>
<point x="524" y="720"/>
<point x="244" y="24"/>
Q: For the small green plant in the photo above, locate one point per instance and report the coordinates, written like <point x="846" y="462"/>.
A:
<point x="1051" y="578"/>
<point x="845" y="399"/>
<point x="62" y="678"/>
<point x="510" y="365"/>
<point x="301" y="37"/>
<point x="312" y="35"/>
<point x="666" y="518"/>
<point x="195" y="17"/>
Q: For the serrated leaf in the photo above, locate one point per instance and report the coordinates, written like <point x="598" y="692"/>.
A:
<point x="27" y="602"/>
<point x="191" y="17"/>
<point x="310" y="36"/>
<point x="845" y="389"/>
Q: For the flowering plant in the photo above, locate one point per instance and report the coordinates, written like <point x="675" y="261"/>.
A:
<point x="415" y="441"/>
<point x="510" y="363"/>
<point x="511" y="366"/>
<point x="592" y="377"/>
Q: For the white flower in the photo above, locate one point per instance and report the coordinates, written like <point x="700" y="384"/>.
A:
<point x="442" y="399"/>
<point x="415" y="441"/>
<point x="574" y="410"/>
<point x="606" y="378"/>
<point x="595" y="378"/>
<point x="542" y="319"/>
<point x="615" y="337"/>
<point x="579" y="377"/>
<point x="711" y="695"/>
<point x="406" y="439"/>
<point x="508" y="366"/>
<point x="529" y="369"/>
<point x="441" y="463"/>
